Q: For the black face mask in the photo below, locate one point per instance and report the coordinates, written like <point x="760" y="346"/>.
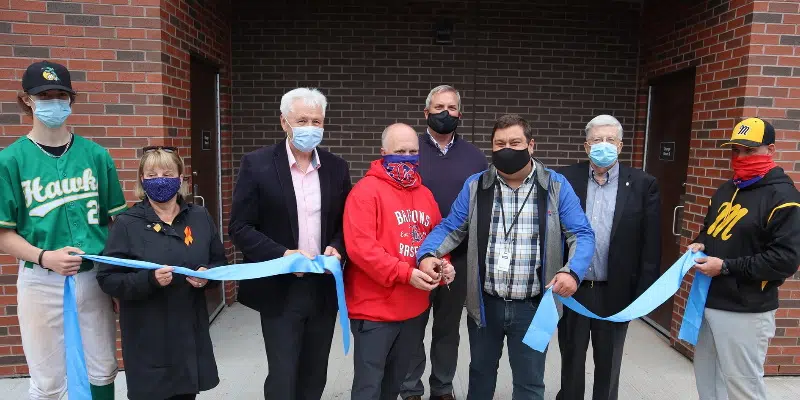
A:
<point x="442" y="122"/>
<point x="509" y="161"/>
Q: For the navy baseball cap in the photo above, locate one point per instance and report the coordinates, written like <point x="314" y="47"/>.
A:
<point x="45" y="75"/>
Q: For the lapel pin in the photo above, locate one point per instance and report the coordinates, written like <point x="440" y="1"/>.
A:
<point x="627" y="183"/>
<point x="187" y="232"/>
<point x="157" y="227"/>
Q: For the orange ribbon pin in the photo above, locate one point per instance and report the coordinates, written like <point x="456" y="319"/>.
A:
<point x="188" y="239"/>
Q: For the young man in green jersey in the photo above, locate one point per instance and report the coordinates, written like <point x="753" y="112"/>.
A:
<point x="58" y="192"/>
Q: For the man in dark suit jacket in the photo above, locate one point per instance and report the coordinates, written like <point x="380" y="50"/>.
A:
<point x="622" y="204"/>
<point x="289" y="198"/>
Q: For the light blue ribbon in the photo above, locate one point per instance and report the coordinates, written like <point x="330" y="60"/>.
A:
<point x="77" y="377"/>
<point x="545" y="320"/>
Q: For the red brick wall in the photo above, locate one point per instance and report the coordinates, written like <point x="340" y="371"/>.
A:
<point x="556" y="65"/>
<point x="743" y="54"/>
<point x="113" y="52"/>
<point x="200" y="28"/>
<point x="129" y="64"/>
<point x="772" y="90"/>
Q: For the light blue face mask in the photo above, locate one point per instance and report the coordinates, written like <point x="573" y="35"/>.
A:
<point x="305" y="138"/>
<point x="603" y="154"/>
<point x="53" y="112"/>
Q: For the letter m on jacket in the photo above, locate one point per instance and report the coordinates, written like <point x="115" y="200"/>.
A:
<point x="729" y="215"/>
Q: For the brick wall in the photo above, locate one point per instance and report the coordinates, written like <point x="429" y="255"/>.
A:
<point x="113" y="52"/>
<point x="556" y="65"/>
<point x="129" y="63"/>
<point x="200" y="28"/>
<point x="743" y="52"/>
<point x="772" y="90"/>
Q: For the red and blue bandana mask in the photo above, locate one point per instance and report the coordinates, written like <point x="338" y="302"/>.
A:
<point x="749" y="170"/>
<point x="402" y="168"/>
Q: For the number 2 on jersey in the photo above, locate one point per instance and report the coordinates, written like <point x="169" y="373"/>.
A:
<point x="92" y="214"/>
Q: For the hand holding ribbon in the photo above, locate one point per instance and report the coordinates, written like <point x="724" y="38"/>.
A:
<point x="546" y="318"/>
<point x="563" y="284"/>
<point x="77" y="377"/>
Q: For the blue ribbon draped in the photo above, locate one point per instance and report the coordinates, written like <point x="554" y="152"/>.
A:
<point x="77" y="377"/>
<point x="545" y="320"/>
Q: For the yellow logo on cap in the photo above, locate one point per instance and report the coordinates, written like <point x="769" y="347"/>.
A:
<point x="749" y="132"/>
<point x="50" y="74"/>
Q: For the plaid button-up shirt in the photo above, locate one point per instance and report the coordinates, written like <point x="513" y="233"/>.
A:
<point x="446" y="148"/>
<point x="521" y="281"/>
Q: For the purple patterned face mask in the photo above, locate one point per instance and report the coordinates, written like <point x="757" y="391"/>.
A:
<point x="161" y="189"/>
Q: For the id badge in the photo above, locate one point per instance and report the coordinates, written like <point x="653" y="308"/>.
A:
<point x="504" y="261"/>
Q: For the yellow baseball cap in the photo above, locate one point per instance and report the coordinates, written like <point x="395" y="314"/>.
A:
<point x="752" y="132"/>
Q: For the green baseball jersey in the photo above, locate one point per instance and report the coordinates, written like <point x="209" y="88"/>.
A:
<point x="55" y="202"/>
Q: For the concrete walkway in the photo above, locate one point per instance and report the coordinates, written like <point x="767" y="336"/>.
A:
<point x="650" y="370"/>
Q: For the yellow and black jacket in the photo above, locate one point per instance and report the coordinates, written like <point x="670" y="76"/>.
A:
<point x="756" y="231"/>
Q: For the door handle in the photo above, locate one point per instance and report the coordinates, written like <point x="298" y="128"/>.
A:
<point x="674" y="219"/>
<point x="196" y="196"/>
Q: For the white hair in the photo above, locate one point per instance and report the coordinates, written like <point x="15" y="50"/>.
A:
<point x="310" y="96"/>
<point x="442" y="89"/>
<point x="603" y="120"/>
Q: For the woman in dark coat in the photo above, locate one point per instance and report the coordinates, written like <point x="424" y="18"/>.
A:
<point x="166" y="345"/>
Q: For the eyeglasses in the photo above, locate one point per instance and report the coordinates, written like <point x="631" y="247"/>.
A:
<point x="610" y="140"/>
<point x="168" y="149"/>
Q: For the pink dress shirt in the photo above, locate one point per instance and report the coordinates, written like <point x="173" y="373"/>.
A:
<point x="309" y="203"/>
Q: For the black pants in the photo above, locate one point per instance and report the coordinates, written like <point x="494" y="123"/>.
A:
<point x="298" y="343"/>
<point x="608" y="340"/>
<point x="447" y="305"/>
<point x="381" y="357"/>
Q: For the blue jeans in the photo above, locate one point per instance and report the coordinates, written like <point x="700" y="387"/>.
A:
<point x="504" y="319"/>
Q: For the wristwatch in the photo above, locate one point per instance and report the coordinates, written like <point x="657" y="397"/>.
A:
<point x="725" y="270"/>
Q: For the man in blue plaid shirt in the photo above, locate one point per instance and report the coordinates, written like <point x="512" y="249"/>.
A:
<point x="515" y="214"/>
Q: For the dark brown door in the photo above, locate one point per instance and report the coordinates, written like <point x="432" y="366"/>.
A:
<point x="669" y="134"/>
<point x="205" y="152"/>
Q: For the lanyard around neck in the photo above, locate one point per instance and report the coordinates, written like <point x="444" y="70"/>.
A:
<point x="516" y="217"/>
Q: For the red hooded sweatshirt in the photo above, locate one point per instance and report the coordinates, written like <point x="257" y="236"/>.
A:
<point x="384" y="225"/>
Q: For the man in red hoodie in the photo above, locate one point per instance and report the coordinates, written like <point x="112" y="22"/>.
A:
<point x="387" y="216"/>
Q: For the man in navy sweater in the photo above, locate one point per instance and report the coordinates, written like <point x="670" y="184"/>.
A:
<point x="445" y="162"/>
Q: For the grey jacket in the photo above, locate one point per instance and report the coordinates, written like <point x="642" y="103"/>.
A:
<point x="560" y="218"/>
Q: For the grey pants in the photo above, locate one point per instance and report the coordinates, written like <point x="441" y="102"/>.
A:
<point x="730" y="354"/>
<point x="382" y="352"/>
<point x="447" y="305"/>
